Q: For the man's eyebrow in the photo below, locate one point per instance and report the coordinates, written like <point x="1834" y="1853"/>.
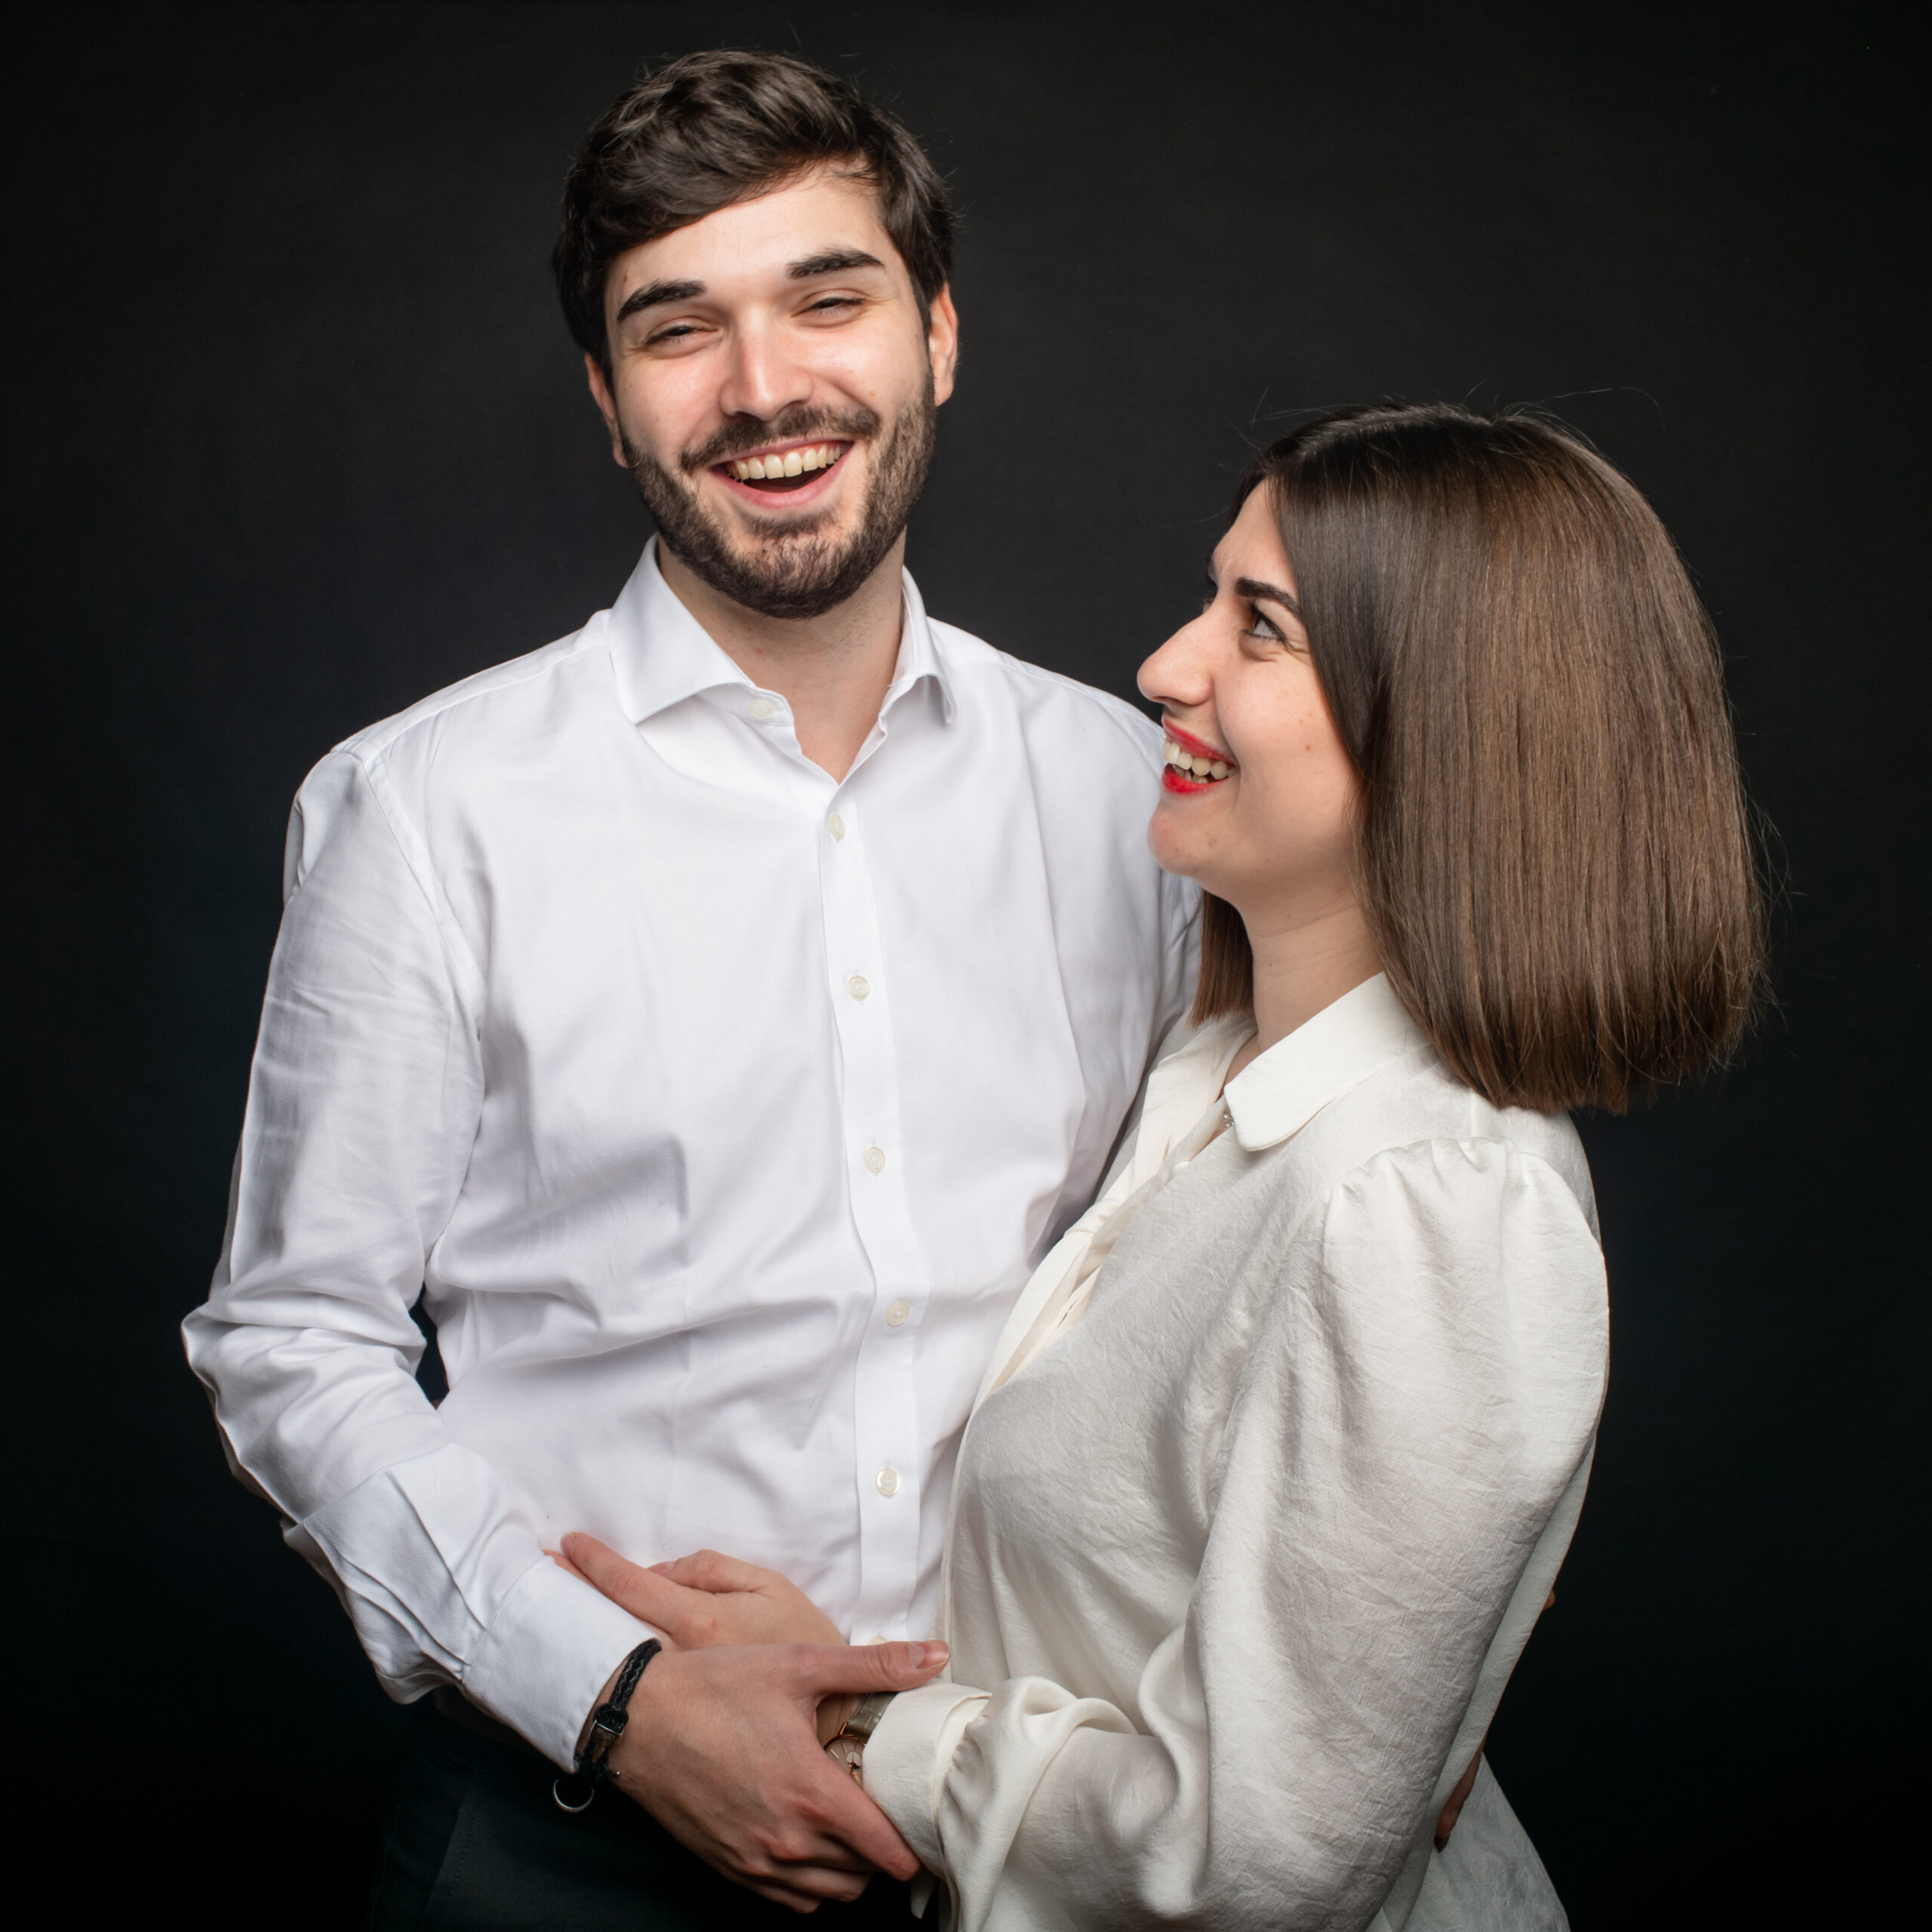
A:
<point x="831" y="261"/>
<point x="654" y="293"/>
<point x="1254" y="590"/>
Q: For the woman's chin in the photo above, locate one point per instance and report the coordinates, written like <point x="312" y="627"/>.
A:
<point x="1173" y="850"/>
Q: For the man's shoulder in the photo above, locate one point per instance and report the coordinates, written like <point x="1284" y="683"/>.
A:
<point x="506" y="696"/>
<point x="1050" y="699"/>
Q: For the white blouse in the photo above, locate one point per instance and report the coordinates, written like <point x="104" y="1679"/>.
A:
<point x="1255" y="1522"/>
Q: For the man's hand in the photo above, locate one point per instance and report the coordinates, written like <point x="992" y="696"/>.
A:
<point x="1466" y="1783"/>
<point x="722" y="1750"/>
<point x="706" y="1599"/>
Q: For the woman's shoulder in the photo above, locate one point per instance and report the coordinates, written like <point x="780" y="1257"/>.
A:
<point x="1414" y="1131"/>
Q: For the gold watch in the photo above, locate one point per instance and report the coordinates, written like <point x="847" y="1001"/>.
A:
<point x="847" y="1750"/>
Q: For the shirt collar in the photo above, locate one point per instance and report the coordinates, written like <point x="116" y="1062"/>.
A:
<point x="662" y="655"/>
<point x="1288" y="1086"/>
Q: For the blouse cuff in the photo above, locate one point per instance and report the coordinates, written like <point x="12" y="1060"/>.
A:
<point x="907" y="1757"/>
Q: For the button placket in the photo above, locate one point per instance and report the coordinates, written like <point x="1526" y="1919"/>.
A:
<point x="885" y="1412"/>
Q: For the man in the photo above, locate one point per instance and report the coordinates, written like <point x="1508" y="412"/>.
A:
<point x="714" y="1014"/>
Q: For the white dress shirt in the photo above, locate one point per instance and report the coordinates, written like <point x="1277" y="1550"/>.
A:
<point x="721" y="1109"/>
<point x="1254" y="1518"/>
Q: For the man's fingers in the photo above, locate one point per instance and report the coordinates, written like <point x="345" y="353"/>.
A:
<point x="707" y="1570"/>
<point x="851" y="1818"/>
<point x="1451" y="1811"/>
<point x="824" y="1669"/>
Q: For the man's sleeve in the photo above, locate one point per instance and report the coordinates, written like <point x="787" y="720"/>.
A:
<point x="1180" y="956"/>
<point x="363" y="1102"/>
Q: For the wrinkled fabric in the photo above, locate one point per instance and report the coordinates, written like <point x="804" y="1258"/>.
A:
<point x="1242" y="1558"/>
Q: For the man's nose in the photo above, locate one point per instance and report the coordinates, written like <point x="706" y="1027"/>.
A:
<point x="761" y="380"/>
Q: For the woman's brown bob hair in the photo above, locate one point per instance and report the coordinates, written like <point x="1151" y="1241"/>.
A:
<point x="1554" y="853"/>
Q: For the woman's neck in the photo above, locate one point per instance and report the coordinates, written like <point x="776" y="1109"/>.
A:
<point x="1303" y="964"/>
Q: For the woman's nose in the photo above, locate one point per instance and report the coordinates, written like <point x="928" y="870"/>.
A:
<point x="1177" y="675"/>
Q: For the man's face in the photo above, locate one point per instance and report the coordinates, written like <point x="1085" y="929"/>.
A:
<point x="772" y="390"/>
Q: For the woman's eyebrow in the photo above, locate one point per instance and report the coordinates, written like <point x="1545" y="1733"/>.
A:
<point x="1255" y="591"/>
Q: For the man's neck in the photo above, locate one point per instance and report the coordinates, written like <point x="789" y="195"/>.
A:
<point x="833" y="671"/>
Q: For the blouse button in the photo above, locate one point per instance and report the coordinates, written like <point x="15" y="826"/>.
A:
<point x="835" y="825"/>
<point x="875" y="1159"/>
<point x="887" y="1482"/>
<point x="895" y="1316"/>
<point x="858" y="985"/>
<point x="760" y="707"/>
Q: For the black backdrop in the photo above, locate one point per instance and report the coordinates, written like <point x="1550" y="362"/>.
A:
<point x="297" y="437"/>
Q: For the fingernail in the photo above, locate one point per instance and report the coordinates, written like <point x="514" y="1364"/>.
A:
<point x="923" y="1654"/>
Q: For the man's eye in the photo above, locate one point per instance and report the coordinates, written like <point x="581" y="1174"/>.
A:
<point x="675" y="332"/>
<point x="833" y="302"/>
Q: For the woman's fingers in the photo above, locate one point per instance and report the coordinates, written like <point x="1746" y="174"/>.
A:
<point x="564" y="1563"/>
<point x="649" y="1597"/>
<point x="707" y="1570"/>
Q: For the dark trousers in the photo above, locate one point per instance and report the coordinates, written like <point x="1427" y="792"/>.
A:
<point x="475" y="1843"/>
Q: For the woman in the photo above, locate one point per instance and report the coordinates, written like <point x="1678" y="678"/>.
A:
<point x="1286" y="1439"/>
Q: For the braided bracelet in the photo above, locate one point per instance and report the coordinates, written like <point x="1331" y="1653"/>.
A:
<point x="573" y="1790"/>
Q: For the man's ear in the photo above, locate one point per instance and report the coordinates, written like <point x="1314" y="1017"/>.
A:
<point x="942" y="342"/>
<point x="600" y="394"/>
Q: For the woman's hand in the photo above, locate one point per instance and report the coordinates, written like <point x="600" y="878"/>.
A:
<point x="703" y="1599"/>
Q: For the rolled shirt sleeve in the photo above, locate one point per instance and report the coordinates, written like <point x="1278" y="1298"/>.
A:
<point x="363" y="1106"/>
<point x="1420" y="1394"/>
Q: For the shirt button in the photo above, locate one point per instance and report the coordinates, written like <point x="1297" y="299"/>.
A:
<point x="895" y="1316"/>
<point x="761" y="707"/>
<point x="887" y="1482"/>
<point x="875" y="1159"/>
<point x="835" y="825"/>
<point x="858" y="985"/>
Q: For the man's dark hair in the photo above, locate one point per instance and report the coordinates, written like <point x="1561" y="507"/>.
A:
<point x="711" y="129"/>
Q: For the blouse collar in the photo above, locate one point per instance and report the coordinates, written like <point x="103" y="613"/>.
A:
<point x="1352" y="1038"/>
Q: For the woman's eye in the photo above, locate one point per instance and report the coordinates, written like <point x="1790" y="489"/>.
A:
<point x="1260" y="627"/>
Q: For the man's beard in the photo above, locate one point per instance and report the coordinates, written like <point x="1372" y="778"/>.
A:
<point x="801" y="568"/>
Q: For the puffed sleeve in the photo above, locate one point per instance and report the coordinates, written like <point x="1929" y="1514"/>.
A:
<point x="1428" y="1350"/>
<point x="363" y="1101"/>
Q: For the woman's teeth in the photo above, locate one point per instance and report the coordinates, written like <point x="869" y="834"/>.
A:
<point x="793" y="462"/>
<point x="1193" y="766"/>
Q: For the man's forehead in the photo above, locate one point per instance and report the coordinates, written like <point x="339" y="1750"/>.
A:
<point x="822" y="215"/>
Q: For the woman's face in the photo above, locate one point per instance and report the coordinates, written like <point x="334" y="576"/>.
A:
<point x="1238" y="690"/>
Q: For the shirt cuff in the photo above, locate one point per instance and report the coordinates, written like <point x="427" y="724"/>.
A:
<point x="551" y="1648"/>
<point x="906" y="1759"/>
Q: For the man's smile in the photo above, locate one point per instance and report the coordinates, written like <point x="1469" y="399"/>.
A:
<point x="794" y="470"/>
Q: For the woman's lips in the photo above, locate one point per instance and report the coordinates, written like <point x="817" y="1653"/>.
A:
<point x="1191" y="764"/>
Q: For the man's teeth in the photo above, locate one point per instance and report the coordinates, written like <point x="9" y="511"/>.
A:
<point x="1193" y="766"/>
<point x="793" y="462"/>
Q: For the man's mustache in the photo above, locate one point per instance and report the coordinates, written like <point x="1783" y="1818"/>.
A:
<point x="736" y="438"/>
